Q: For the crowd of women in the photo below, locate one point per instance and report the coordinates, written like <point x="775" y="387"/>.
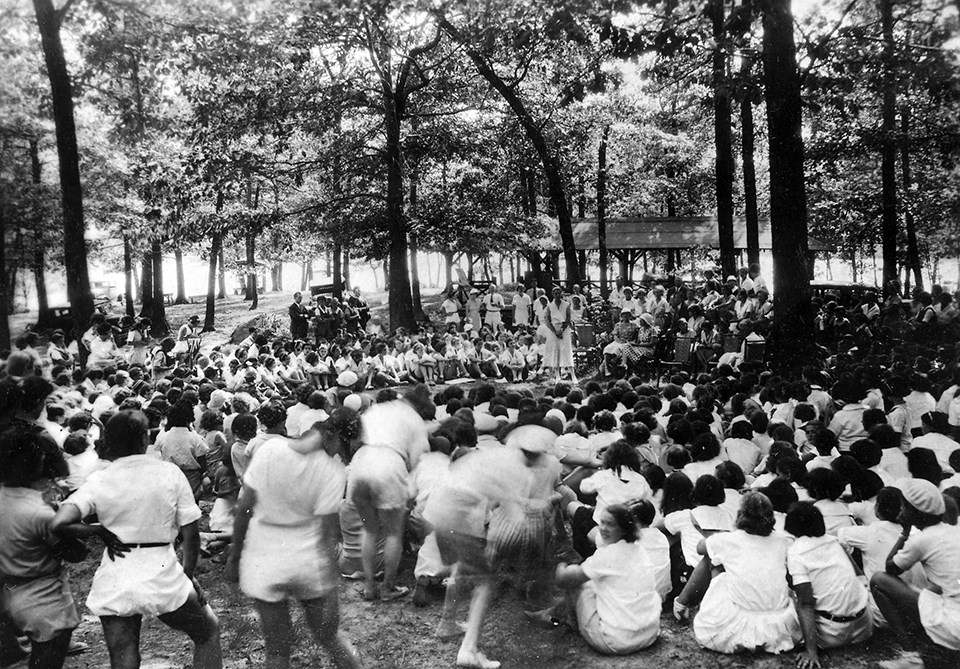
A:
<point x="772" y="513"/>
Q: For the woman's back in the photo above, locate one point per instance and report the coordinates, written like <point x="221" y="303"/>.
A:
<point x="755" y="565"/>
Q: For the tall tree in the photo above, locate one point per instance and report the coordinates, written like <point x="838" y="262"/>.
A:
<point x="49" y="20"/>
<point x="792" y="335"/>
<point x="888" y="155"/>
<point x="723" y="139"/>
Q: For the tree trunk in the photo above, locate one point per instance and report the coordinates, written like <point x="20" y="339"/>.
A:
<point x="158" y="307"/>
<point x="346" y="268"/>
<point x="470" y="268"/>
<point x="723" y="142"/>
<point x="71" y="190"/>
<point x="4" y="311"/>
<point x="749" y="171"/>
<point x="888" y="153"/>
<point x="128" y="278"/>
<point x="337" y="271"/>
<point x="913" y="251"/>
<point x="276" y="278"/>
<point x="250" y="242"/>
<point x="181" y="281"/>
<point x="146" y="284"/>
<point x="792" y="335"/>
<point x="550" y="159"/>
<point x="602" y="211"/>
<point x="39" y="251"/>
<point x="581" y="199"/>
<point x="221" y="274"/>
<point x="306" y="275"/>
<point x="209" y="315"/>
<point x="448" y="268"/>
<point x="398" y="288"/>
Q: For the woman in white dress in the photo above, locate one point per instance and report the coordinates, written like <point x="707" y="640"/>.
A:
<point x="559" y="327"/>
<point x="142" y="503"/>
<point x="748" y="606"/>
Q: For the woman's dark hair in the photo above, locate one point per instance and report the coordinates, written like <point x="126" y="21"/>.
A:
<point x="824" y="441"/>
<point x="604" y="421"/>
<point x="873" y="417"/>
<point x="211" y="420"/>
<point x="655" y="477"/>
<point x="704" y="447"/>
<point x="823" y="483"/>
<point x="791" y="469"/>
<point x="75" y="444"/>
<point x="636" y="433"/>
<point x="889" y="503"/>
<point x="760" y="422"/>
<point x="585" y="415"/>
<point x="885" y="437"/>
<point x="344" y="424"/>
<point x="922" y="463"/>
<point x="867" y="452"/>
<point x="755" y="515"/>
<point x="781" y="432"/>
<point x="180" y="415"/>
<point x="643" y="511"/>
<point x="805" y="520"/>
<point x="677" y="493"/>
<point x="741" y="429"/>
<point x="460" y="433"/>
<point x="621" y="454"/>
<point x="730" y="475"/>
<point x="708" y="491"/>
<point x="21" y="457"/>
<point x="680" y="431"/>
<point x="123" y="435"/>
<point x="625" y="521"/>
<point x="272" y="414"/>
<point x="781" y="494"/>
<point x="82" y="420"/>
<point x="244" y="426"/>
<point x="678" y="457"/>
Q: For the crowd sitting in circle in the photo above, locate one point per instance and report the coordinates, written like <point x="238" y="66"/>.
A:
<point x="773" y="513"/>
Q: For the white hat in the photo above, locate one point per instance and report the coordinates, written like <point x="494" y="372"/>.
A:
<point x="474" y="291"/>
<point x="352" y="401"/>
<point x="347" y="379"/>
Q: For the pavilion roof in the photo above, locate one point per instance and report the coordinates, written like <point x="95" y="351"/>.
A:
<point x="664" y="232"/>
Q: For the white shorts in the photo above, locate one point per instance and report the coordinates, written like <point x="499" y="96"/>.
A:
<point x="284" y="562"/>
<point x="378" y="476"/>
<point x="146" y="581"/>
<point x="941" y="619"/>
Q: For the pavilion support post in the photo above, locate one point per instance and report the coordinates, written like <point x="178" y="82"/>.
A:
<point x="646" y="266"/>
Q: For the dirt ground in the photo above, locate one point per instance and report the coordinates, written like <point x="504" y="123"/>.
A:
<point x="398" y="635"/>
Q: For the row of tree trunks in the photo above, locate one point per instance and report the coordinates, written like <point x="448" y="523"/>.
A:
<point x="181" y="297"/>
<point x="209" y="317"/>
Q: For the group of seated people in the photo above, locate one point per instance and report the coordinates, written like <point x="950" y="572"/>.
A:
<point x="773" y="513"/>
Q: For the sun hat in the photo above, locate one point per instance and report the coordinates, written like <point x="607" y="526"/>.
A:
<point x="347" y="379"/>
<point x="923" y="496"/>
<point x="353" y="401"/>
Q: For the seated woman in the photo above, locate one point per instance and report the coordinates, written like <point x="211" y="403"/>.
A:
<point x="624" y="332"/>
<point x="747" y="606"/>
<point x="928" y="620"/>
<point x="832" y="603"/>
<point x="613" y="593"/>
<point x="142" y="504"/>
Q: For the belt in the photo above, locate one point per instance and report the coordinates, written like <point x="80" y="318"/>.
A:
<point x="147" y="544"/>
<point x="841" y="619"/>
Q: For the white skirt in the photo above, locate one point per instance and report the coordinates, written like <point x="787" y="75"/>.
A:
<point x="941" y="618"/>
<point x="723" y="626"/>
<point x="145" y="581"/>
<point x="281" y="562"/>
<point x="558" y="352"/>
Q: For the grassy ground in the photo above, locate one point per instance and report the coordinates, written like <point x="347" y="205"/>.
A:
<point x="399" y="635"/>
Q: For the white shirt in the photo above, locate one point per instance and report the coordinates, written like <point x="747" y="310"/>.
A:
<point x="397" y="426"/>
<point x="940" y="444"/>
<point x="293" y="419"/>
<point x="138" y="498"/>
<point x="613" y="489"/>
<point x="822" y="562"/>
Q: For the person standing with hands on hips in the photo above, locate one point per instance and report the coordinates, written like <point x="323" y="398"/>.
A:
<point x="559" y="345"/>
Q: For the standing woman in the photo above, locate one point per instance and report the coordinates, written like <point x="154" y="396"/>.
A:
<point x="141" y="503"/>
<point x="285" y="537"/>
<point x="559" y="326"/>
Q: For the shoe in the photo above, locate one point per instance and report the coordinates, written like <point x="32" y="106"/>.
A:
<point x="392" y="595"/>
<point x="680" y="612"/>
<point x="907" y="660"/>
<point x="421" y="597"/>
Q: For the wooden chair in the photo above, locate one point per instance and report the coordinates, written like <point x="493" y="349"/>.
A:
<point x="585" y="349"/>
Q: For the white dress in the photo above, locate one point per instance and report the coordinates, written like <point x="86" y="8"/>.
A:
<point x="559" y="351"/>
<point x="747" y="607"/>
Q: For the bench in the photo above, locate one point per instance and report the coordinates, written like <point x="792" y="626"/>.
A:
<point x="197" y="299"/>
